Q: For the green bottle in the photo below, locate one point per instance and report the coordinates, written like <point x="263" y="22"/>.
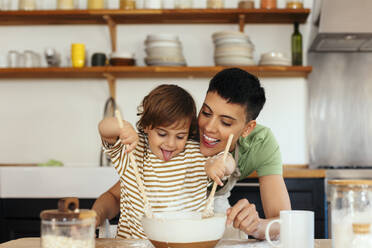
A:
<point x="296" y="43"/>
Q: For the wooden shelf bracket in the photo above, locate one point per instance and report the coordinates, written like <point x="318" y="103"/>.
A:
<point x="241" y="22"/>
<point x="112" y="28"/>
<point x="111" y="80"/>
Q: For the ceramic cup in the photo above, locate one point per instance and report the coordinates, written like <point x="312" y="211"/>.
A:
<point x="98" y="59"/>
<point x="296" y="229"/>
<point x="78" y="55"/>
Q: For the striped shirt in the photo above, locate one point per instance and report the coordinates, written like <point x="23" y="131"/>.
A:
<point x="179" y="184"/>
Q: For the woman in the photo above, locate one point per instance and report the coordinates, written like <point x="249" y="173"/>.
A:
<point x="233" y="101"/>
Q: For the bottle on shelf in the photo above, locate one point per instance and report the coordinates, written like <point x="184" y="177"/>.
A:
<point x="361" y="235"/>
<point x="296" y="45"/>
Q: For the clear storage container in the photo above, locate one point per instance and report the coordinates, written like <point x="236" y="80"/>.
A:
<point x="68" y="226"/>
<point x="183" y="4"/>
<point x="351" y="204"/>
<point x="294" y="4"/>
<point x="215" y="4"/>
<point x="268" y="4"/>
<point x="128" y="4"/>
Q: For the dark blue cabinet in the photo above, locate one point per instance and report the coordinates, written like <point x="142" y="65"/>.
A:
<point x="20" y="218"/>
<point x="305" y="194"/>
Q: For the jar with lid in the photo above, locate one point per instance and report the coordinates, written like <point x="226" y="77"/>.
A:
<point x="68" y="226"/>
<point x="127" y="4"/>
<point x="65" y="4"/>
<point x="96" y="4"/>
<point x="268" y="4"/>
<point x="294" y="4"/>
<point x="362" y="236"/>
<point x="246" y="4"/>
<point x="27" y="4"/>
<point x="215" y="4"/>
<point x="351" y="202"/>
<point x="183" y="4"/>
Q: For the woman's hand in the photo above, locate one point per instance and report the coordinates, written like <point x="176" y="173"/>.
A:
<point x="128" y="136"/>
<point x="243" y="215"/>
<point x="216" y="168"/>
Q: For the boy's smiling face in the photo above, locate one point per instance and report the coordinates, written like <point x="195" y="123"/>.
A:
<point x="167" y="142"/>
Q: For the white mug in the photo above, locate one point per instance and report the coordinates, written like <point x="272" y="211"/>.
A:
<point x="296" y="229"/>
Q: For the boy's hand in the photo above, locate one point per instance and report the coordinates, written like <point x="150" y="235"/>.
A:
<point x="128" y="136"/>
<point x="216" y="169"/>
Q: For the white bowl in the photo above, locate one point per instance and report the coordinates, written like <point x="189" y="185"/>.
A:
<point x="184" y="229"/>
<point x="229" y="34"/>
<point x="164" y="52"/>
<point x="234" y="61"/>
<point x="231" y="40"/>
<point x="171" y="37"/>
<point x="162" y="43"/>
<point x="273" y="55"/>
<point x="122" y="54"/>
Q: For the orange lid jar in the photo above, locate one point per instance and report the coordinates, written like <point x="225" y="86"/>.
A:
<point x="268" y="4"/>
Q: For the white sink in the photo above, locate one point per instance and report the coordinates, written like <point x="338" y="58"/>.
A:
<point x="55" y="182"/>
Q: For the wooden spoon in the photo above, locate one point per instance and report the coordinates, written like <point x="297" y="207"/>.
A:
<point x="147" y="206"/>
<point x="208" y="210"/>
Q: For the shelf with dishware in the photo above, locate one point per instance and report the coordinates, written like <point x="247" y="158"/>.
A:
<point x="113" y="17"/>
<point x="148" y="71"/>
<point x="153" y="16"/>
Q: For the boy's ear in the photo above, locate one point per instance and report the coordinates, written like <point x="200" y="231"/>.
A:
<point x="248" y="128"/>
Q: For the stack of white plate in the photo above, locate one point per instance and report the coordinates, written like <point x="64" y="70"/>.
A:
<point x="164" y="50"/>
<point x="232" y="48"/>
<point x="274" y="58"/>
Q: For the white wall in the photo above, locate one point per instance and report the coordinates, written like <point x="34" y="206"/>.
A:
<point x="42" y="119"/>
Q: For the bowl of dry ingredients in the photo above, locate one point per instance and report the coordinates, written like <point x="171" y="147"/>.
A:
<point x="184" y="229"/>
<point x="68" y="226"/>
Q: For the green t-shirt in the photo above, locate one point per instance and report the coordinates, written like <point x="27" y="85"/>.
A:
<point x="260" y="152"/>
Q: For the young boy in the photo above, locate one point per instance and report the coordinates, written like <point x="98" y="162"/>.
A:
<point x="170" y="164"/>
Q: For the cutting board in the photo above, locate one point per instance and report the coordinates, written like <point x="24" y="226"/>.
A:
<point x="115" y="243"/>
<point x="100" y="243"/>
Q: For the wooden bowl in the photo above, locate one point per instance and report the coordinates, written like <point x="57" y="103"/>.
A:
<point x="122" y="62"/>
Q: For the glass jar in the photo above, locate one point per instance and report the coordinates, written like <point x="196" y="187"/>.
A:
<point x="96" y="4"/>
<point x="127" y="4"/>
<point x="65" y="4"/>
<point x="294" y="4"/>
<point x="27" y="4"/>
<point x="246" y="4"/>
<point x="362" y="236"/>
<point x="68" y="226"/>
<point x="215" y="4"/>
<point x="351" y="202"/>
<point x="268" y="4"/>
<point x="183" y="4"/>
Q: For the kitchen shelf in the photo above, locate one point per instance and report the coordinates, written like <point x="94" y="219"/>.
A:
<point x="151" y="16"/>
<point x="148" y="71"/>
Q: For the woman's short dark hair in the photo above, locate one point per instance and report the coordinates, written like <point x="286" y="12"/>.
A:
<point x="240" y="87"/>
<point x="166" y="105"/>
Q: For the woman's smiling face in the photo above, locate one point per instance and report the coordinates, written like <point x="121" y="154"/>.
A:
<point x="217" y="120"/>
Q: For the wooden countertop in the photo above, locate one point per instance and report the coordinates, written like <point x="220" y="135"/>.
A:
<point x="298" y="171"/>
<point x="35" y="243"/>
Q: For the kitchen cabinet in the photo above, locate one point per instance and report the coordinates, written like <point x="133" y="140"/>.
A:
<point x="148" y="16"/>
<point x="304" y="193"/>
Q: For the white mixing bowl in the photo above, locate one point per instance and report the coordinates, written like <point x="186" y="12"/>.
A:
<point x="184" y="230"/>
